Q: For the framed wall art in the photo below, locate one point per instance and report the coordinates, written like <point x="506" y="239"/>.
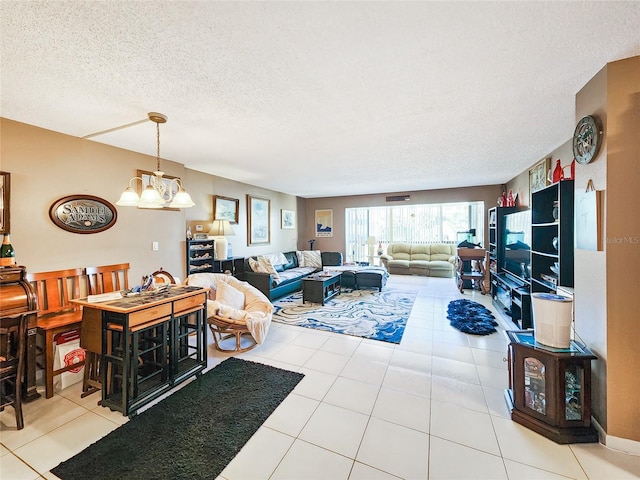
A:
<point x="324" y="223"/>
<point x="171" y="187"/>
<point x="225" y="208"/>
<point x="287" y="219"/>
<point x="5" y="200"/>
<point x="538" y="175"/>
<point x="258" y="220"/>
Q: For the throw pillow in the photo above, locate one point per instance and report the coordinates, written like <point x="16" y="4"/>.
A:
<point x="300" y="258"/>
<point x="312" y="258"/>
<point x="232" y="297"/>
<point x="263" y="265"/>
<point x="276" y="258"/>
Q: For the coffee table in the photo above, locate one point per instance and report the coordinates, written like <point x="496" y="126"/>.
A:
<point x="320" y="287"/>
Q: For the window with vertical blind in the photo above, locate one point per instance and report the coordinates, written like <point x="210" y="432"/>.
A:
<point x="418" y="224"/>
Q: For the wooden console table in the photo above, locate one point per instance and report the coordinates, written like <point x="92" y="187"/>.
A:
<point x="149" y="344"/>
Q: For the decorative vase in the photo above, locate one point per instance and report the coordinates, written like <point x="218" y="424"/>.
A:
<point x="558" y="172"/>
<point x="556" y="211"/>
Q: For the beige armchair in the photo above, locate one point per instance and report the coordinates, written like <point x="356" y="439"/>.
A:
<point x="245" y="315"/>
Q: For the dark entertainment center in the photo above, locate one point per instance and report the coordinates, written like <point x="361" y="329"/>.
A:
<point x="531" y="250"/>
<point x="509" y="246"/>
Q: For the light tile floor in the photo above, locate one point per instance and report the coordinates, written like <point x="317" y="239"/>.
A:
<point x="429" y="408"/>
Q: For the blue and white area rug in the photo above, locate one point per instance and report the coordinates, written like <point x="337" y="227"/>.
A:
<point x="362" y="313"/>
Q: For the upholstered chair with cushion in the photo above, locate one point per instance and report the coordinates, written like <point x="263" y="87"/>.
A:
<point x="235" y="309"/>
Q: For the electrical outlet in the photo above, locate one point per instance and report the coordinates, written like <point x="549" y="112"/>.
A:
<point x="155" y="246"/>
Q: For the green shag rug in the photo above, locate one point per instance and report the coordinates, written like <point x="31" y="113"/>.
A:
<point x="192" y="434"/>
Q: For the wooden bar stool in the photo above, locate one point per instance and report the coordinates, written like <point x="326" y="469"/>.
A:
<point x="102" y="279"/>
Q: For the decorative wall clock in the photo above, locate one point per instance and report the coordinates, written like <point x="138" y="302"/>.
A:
<point x="587" y="139"/>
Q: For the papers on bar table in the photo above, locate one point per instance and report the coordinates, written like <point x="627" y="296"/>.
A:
<point x="104" y="297"/>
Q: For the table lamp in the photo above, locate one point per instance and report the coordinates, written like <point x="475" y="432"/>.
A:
<point x="219" y="230"/>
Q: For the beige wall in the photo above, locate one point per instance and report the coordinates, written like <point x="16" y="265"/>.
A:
<point x="46" y="166"/>
<point x="622" y="246"/>
<point x="488" y="194"/>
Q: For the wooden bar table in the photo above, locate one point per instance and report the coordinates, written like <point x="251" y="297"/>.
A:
<point x="149" y="343"/>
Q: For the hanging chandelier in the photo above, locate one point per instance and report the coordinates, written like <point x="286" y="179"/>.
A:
<point x="160" y="191"/>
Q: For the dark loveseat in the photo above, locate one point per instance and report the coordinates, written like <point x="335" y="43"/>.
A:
<point x="292" y="274"/>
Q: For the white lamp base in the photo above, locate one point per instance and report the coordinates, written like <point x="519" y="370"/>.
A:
<point x="221" y="248"/>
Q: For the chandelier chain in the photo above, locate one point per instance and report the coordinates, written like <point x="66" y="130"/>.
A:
<point x="158" y="146"/>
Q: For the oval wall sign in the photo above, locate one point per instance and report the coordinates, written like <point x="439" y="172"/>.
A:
<point x="83" y="214"/>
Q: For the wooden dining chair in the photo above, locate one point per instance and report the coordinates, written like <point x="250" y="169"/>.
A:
<point x="102" y="279"/>
<point x="108" y="278"/>
<point x="56" y="314"/>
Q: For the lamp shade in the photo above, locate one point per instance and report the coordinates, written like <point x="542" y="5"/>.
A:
<point x="182" y="200"/>
<point x="221" y="228"/>
<point x="150" y="198"/>
<point x="129" y="198"/>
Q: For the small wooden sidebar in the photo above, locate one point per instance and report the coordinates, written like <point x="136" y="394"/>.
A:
<point x="550" y="388"/>
<point x="149" y="344"/>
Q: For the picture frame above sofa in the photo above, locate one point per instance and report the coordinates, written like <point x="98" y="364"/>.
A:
<point x="258" y="220"/>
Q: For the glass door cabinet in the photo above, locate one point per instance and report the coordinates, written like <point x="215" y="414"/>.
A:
<point x="550" y="388"/>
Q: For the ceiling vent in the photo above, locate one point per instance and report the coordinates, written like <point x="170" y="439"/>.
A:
<point x="398" y="198"/>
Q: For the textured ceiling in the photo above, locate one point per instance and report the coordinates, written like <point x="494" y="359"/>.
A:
<point x="316" y="98"/>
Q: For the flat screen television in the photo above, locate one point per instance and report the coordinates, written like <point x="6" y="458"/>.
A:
<point x="517" y="244"/>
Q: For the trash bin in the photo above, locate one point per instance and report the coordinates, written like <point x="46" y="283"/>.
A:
<point x="552" y="316"/>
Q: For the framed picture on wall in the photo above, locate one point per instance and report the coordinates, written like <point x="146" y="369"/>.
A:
<point x="538" y="175"/>
<point x="225" y="208"/>
<point x="287" y="219"/>
<point x="258" y="220"/>
<point x="170" y="187"/>
<point x="5" y="198"/>
<point x="324" y="223"/>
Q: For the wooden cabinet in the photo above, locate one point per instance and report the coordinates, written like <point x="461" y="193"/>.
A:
<point x="552" y="237"/>
<point x="550" y="388"/>
<point x="200" y="256"/>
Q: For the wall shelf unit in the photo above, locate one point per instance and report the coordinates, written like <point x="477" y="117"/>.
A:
<point x="495" y="217"/>
<point x="552" y="237"/>
<point x="200" y="256"/>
